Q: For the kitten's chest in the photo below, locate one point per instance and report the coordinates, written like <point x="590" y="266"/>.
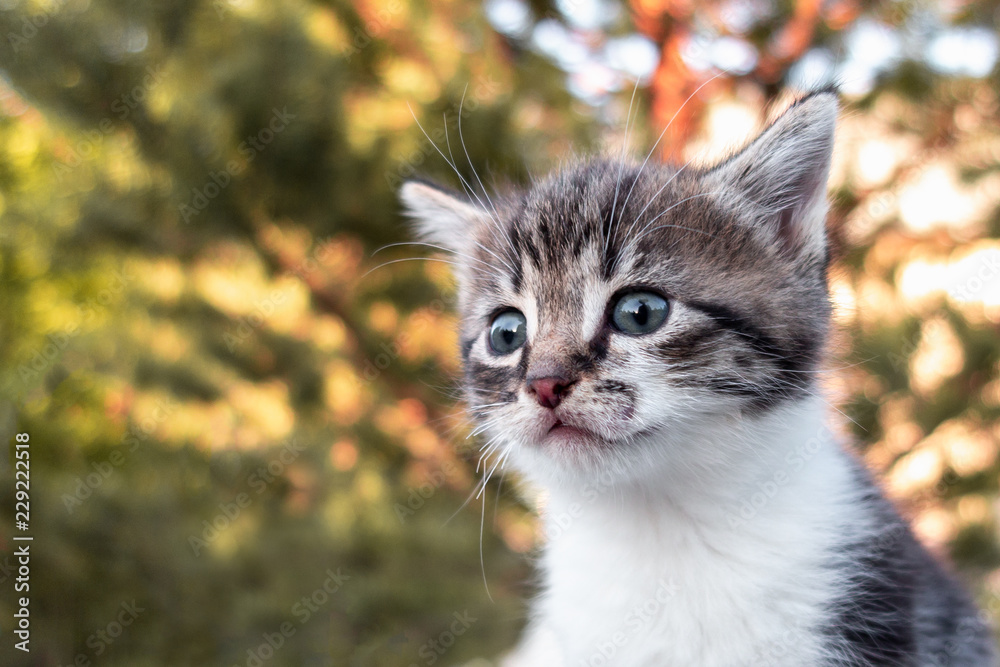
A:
<point x="625" y="597"/>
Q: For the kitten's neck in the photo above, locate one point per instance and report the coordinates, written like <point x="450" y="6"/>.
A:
<point x="730" y="472"/>
<point x="704" y="548"/>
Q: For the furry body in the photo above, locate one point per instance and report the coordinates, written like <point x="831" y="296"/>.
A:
<point x="699" y="512"/>
<point x="818" y="571"/>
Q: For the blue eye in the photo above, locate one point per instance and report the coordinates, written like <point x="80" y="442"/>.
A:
<point x="508" y="332"/>
<point x="639" y="313"/>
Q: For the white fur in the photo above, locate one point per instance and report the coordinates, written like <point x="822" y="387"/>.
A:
<point x="665" y="571"/>
<point x="444" y="220"/>
<point x="687" y="526"/>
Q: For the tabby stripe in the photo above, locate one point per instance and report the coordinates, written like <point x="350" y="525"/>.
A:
<point x="758" y="340"/>
<point x="493" y="377"/>
<point x="690" y="343"/>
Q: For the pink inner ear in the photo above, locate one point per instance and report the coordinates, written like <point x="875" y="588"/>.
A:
<point x="789" y="233"/>
<point x="806" y="189"/>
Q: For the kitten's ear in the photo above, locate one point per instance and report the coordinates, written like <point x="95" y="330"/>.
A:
<point x="783" y="173"/>
<point x="442" y="217"/>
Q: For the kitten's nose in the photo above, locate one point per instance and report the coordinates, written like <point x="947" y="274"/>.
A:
<point x="549" y="391"/>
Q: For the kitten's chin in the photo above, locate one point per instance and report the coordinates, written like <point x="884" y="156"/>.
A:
<point x="567" y="436"/>
<point x="573" y="447"/>
<point x="567" y="446"/>
<point x="569" y="454"/>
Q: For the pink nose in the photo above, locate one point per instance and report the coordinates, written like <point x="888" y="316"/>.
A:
<point x="549" y="391"/>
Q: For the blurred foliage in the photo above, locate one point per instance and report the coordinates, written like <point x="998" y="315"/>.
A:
<point x="242" y="416"/>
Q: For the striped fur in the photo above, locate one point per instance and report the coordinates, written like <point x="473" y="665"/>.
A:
<point x="699" y="511"/>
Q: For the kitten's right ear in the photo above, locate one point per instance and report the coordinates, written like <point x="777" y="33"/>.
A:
<point x="783" y="173"/>
<point x="442" y="217"/>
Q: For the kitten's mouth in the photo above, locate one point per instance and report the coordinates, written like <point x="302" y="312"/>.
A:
<point x="562" y="429"/>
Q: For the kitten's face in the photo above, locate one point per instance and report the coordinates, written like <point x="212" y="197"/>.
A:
<point x="611" y="310"/>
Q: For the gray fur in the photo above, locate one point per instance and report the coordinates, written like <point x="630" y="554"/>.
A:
<point x="741" y="246"/>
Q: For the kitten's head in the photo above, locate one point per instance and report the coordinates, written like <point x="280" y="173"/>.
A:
<point x="612" y="310"/>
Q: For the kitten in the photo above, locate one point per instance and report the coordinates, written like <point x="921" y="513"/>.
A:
<point x="642" y="343"/>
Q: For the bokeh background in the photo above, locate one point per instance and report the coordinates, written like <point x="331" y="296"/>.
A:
<point x="244" y="436"/>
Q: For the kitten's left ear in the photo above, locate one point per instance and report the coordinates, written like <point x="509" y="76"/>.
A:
<point x="441" y="217"/>
<point x="783" y="172"/>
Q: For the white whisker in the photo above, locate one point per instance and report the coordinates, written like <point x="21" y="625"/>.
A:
<point x="621" y="167"/>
